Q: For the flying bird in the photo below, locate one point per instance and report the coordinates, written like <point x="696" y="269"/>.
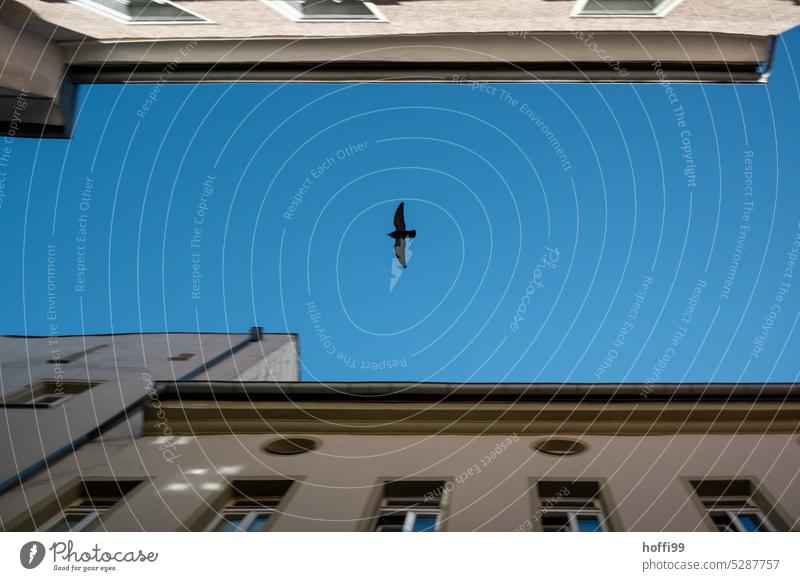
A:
<point x="400" y="234"/>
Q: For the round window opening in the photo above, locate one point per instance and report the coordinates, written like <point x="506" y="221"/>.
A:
<point x="290" y="446"/>
<point x="560" y="447"/>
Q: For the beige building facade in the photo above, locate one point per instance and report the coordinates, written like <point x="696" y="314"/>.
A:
<point x="295" y="456"/>
<point x="50" y="46"/>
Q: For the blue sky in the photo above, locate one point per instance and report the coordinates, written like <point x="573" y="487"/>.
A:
<point x="566" y="232"/>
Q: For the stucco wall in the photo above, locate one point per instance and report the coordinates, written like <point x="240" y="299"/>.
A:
<point x="644" y="479"/>
<point x="127" y="367"/>
<point x="254" y="18"/>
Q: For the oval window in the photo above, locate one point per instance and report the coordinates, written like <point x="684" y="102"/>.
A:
<point x="560" y="446"/>
<point x="289" y="446"/>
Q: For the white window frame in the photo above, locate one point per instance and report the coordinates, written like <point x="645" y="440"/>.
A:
<point x="410" y="518"/>
<point x="661" y="11"/>
<point x="414" y="507"/>
<point x="592" y="508"/>
<point x="250" y="513"/>
<point x="105" y="11"/>
<point x="747" y="508"/>
<point x="91" y="511"/>
<point x="285" y="9"/>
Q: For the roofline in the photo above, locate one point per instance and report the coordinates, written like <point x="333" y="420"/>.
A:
<point x="543" y="56"/>
<point x="427" y="391"/>
<point x="405" y="73"/>
<point x="127" y="334"/>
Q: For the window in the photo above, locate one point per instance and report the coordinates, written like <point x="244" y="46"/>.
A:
<point x="326" y="10"/>
<point x="571" y="507"/>
<point x="624" y="7"/>
<point x="143" y="11"/>
<point x="731" y="506"/>
<point x="411" y="507"/>
<point x="94" y="499"/>
<point x="290" y="446"/>
<point x="581" y="515"/>
<point x="250" y="506"/>
<point x="560" y="447"/>
<point x="47" y="393"/>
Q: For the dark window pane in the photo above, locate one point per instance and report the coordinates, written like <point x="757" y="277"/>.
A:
<point x="392" y="522"/>
<point x="555" y="523"/>
<point x="722" y="522"/>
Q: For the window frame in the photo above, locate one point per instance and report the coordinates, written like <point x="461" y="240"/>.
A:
<point x="78" y="499"/>
<point x="249" y="489"/>
<point x="250" y="513"/>
<point x="409" y="499"/>
<point x="111" y="13"/>
<point x="412" y="512"/>
<point x="286" y="10"/>
<point x="748" y="507"/>
<point x="37" y="400"/>
<point x="592" y="507"/>
<point x="76" y="507"/>
<point x="665" y="8"/>
<point x="555" y="490"/>
<point x="28" y="398"/>
<point x="707" y="491"/>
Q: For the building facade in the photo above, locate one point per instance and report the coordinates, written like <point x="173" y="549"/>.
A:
<point x="52" y="45"/>
<point x="59" y="392"/>
<point x="210" y="455"/>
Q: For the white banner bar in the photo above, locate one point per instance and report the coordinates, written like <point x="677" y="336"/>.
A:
<point x="389" y="557"/>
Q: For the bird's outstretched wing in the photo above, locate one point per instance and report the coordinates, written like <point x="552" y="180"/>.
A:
<point x="400" y="251"/>
<point x="400" y="218"/>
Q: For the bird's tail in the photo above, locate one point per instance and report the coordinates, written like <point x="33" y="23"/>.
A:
<point x="412" y="233"/>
